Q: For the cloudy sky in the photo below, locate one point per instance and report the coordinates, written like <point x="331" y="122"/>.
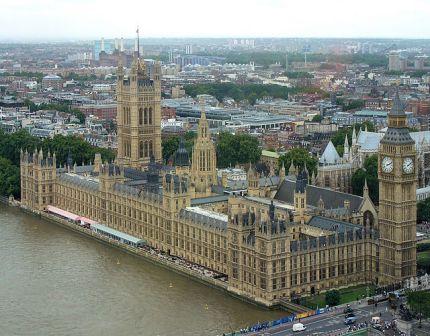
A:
<point x="89" y="19"/>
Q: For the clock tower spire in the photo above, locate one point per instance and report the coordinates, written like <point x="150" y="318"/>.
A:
<point x="397" y="176"/>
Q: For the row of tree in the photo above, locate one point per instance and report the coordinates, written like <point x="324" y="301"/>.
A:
<point x="11" y="144"/>
<point x="249" y="92"/>
<point x="231" y="149"/>
<point x="62" y="107"/>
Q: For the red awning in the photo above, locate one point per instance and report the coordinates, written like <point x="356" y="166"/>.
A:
<point x="62" y="213"/>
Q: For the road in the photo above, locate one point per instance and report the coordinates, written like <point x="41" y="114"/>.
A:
<point x="331" y="322"/>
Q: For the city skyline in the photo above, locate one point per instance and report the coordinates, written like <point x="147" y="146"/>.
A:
<point x="84" y="20"/>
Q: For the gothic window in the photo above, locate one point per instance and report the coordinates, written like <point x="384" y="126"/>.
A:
<point x="368" y="220"/>
<point x="140" y="116"/>
<point x="150" y="116"/>
<point x="141" y="149"/>
<point x="146" y="149"/>
<point x="145" y="120"/>
<point x="124" y="115"/>
<point x="151" y="152"/>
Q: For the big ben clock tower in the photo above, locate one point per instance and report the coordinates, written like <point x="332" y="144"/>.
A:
<point x="397" y="173"/>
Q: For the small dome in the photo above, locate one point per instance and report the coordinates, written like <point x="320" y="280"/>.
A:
<point x="181" y="156"/>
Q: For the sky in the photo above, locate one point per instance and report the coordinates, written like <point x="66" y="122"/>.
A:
<point x="90" y="19"/>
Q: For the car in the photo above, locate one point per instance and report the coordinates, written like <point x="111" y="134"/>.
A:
<point x="350" y="320"/>
<point x="298" y="327"/>
<point x="349" y="315"/>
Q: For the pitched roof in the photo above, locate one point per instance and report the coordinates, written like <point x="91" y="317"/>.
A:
<point x="330" y="155"/>
<point x="332" y="199"/>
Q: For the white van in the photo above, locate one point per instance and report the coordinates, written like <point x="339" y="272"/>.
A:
<point x="298" y="327"/>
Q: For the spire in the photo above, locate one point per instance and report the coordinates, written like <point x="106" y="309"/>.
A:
<point x="346" y="147"/>
<point x="354" y="136"/>
<point x="291" y="170"/>
<point x="397" y="109"/>
<point x="365" y="189"/>
<point x="282" y="171"/>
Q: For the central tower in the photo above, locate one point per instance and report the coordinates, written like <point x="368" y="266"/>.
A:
<point x="138" y="115"/>
<point x="397" y="174"/>
<point x="203" y="167"/>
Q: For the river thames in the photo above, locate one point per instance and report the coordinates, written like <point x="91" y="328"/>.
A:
<point x="57" y="282"/>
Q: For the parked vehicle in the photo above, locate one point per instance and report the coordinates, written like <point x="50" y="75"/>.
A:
<point x="350" y="320"/>
<point x="298" y="327"/>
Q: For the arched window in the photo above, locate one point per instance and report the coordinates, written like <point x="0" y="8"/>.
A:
<point x="151" y="151"/>
<point x="140" y="116"/>
<point x="145" y="116"/>
<point x="368" y="220"/>
<point x="150" y="116"/>
<point x="146" y="149"/>
<point x="141" y="149"/>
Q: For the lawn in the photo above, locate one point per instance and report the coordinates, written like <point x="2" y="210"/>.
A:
<point x="346" y="295"/>
<point x="424" y="258"/>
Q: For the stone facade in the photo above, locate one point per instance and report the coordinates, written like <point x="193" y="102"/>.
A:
<point x="398" y="204"/>
<point x="284" y="239"/>
<point x="138" y="115"/>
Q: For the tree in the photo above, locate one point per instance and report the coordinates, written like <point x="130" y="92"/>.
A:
<point x="170" y="145"/>
<point x="423" y="210"/>
<point x="299" y="156"/>
<point x="11" y="144"/>
<point x="239" y="148"/>
<point x="418" y="301"/>
<point x="9" y="178"/>
<point x="317" y="118"/>
<point x="332" y="297"/>
<point x="369" y="172"/>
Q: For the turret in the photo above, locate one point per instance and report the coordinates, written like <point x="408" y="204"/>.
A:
<point x="253" y="181"/>
<point x="300" y="195"/>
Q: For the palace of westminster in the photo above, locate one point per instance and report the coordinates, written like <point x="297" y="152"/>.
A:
<point x="284" y="238"/>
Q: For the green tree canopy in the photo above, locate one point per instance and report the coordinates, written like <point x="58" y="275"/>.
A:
<point x="418" y="301"/>
<point x="423" y="210"/>
<point x="170" y="145"/>
<point x="332" y="297"/>
<point x="369" y="172"/>
<point x="239" y="148"/>
<point x="317" y="118"/>
<point x="9" y="178"/>
<point x="299" y="156"/>
<point x="11" y="144"/>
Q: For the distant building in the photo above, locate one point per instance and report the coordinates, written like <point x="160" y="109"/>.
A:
<point x="52" y="81"/>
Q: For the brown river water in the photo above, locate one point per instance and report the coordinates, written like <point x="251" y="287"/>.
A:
<point x="56" y="282"/>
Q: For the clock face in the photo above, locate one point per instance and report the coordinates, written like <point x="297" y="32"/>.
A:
<point x="387" y="164"/>
<point x="408" y="165"/>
